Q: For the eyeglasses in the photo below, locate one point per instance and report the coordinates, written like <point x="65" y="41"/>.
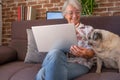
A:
<point x="73" y="12"/>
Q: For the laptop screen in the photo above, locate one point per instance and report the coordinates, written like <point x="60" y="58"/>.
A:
<point x="48" y="35"/>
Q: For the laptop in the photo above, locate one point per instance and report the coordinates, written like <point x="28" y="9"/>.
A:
<point x="48" y="35"/>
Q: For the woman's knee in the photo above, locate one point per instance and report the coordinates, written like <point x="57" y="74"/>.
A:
<point x="54" y="56"/>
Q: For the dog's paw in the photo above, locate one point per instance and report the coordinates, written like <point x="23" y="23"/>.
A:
<point x="98" y="71"/>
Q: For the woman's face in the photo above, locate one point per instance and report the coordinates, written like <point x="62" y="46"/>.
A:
<point x="72" y="15"/>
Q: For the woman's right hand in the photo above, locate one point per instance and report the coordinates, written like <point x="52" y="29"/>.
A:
<point x="81" y="51"/>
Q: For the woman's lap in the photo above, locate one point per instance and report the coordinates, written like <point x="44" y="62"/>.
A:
<point x="56" y="63"/>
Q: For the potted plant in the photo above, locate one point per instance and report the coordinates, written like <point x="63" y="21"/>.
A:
<point x="87" y="6"/>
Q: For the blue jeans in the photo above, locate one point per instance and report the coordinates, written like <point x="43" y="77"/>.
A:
<point x="56" y="67"/>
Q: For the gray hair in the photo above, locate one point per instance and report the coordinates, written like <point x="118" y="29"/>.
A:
<point x="74" y="3"/>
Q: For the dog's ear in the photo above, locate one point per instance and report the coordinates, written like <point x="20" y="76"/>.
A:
<point x="97" y="36"/>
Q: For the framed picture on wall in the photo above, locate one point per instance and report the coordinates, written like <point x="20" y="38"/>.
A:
<point x="54" y="15"/>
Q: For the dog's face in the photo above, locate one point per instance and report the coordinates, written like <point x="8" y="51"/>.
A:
<point x="102" y="39"/>
<point x="95" y="38"/>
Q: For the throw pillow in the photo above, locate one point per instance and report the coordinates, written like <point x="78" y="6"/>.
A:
<point x="33" y="55"/>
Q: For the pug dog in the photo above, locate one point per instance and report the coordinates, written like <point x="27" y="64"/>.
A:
<point x="106" y="46"/>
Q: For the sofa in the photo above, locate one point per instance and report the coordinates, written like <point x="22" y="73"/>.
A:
<point x="12" y="57"/>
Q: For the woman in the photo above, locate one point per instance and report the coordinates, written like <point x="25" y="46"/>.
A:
<point x="56" y="65"/>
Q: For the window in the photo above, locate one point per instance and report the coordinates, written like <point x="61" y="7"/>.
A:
<point x="54" y="15"/>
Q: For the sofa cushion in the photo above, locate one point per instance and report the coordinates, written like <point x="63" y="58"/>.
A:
<point x="101" y="76"/>
<point x="20" y="45"/>
<point x="33" y="55"/>
<point x="18" y="70"/>
<point x="7" y="54"/>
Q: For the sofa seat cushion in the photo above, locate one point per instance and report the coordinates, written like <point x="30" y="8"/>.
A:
<point x="18" y="71"/>
<point x="102" y="76"/>
<point x="7" y="54"/>
<point x="106" y="74"/>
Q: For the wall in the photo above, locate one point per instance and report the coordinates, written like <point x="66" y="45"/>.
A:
<point x="9" y="11"/>
<point x="0" y="22"/>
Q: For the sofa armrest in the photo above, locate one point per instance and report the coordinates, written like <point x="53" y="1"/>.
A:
<point x="7" y="54"/>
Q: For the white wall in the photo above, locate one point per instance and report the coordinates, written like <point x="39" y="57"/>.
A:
<point x="0" y="22"/>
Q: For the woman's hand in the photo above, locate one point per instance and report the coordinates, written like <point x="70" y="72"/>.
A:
<point x="81" y="52"/>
